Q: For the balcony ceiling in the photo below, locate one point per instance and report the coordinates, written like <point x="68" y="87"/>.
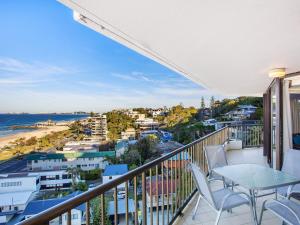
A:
<point x="226" y="46"/>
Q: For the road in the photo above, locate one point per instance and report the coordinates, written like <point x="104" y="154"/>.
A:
<point x="13" y="166"/>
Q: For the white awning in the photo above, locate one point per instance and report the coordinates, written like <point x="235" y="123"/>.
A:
<point x="227" y="46"/>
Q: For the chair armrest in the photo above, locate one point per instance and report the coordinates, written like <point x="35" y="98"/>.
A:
<point x="285" y="206"/>
<point x="214" y="179"/>
<point x="290" y="191"/>
<point x="235" y="193"/>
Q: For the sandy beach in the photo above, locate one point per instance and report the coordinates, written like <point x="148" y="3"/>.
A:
<point x="36" y="133"/>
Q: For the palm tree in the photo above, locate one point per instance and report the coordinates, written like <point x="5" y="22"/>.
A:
<point x="75" y="174"/>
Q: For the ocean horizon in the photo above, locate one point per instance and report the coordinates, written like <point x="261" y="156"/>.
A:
<point x="8" y="120"/>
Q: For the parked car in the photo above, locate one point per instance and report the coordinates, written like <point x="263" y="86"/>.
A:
<point x="121" y="194"/>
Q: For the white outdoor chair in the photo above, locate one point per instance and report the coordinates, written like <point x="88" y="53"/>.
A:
<point x="291" y="165"/>
<point x="221" y="200"/>
<point x="216" y="157"/>
<point x="287" y="210"/>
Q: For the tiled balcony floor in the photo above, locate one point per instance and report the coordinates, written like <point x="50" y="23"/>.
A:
<point x="240" y="215"/>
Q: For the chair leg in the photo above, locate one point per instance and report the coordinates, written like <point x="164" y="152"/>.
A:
<point x="196" y="207"/>
<point x="262" y="212"/>
<point x="252" y="214"/>
<point x="218" y="217"/>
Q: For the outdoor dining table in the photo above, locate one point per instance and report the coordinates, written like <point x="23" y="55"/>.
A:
<point x="256" y="178"/>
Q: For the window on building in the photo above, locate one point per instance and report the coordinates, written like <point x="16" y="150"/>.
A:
<point x="11" y="184"/>
<point x="74" y="216"/>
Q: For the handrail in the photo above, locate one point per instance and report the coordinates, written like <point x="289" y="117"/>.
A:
<point x="53" y="212"/>
<point x="250" y="134"/>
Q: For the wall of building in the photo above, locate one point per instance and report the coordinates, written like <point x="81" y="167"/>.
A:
<point x="16" y="184"/>
<point x="106" y="179"/>
<point x="58" y="164"/>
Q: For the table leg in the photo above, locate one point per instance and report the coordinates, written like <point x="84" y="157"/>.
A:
<point x="252" y="195"/>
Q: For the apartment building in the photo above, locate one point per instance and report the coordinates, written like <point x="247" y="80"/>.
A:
<point x="241" y="112"/>
<point x="157" y="112"/>
<point x="147" y="124"/>
<point x="99" y="127"/>
<point x="15" y="192"/>
<point x="135" y="114"/>
<point x="128" y="134"/>
<point x="61" y="161"/>
<point x="49" y="180"/>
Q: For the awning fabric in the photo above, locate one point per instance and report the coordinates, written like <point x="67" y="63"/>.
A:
<point x="226" y="46"/>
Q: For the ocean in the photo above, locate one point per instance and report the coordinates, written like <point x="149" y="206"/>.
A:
<point x="9" y="120"/>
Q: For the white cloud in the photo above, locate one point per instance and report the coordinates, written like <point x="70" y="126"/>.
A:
<point x="96" y="84"/>
<point x="15" y="66"/>
<point x="134" y="76"/>
<point x="145" y="90"/>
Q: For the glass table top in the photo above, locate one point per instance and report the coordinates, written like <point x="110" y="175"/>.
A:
<point x="256" y="177"/>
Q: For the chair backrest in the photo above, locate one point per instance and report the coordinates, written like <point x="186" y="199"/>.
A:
<point x="215" y="156"/>
<point x="291" y="162"/>
<point x="202" y="183"/>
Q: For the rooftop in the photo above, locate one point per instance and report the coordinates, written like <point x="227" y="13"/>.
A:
<point x="162" y="185"/>
<point x="14" y="198"/>
<point x="112" y="170"/>
<point x="35" y="207"/>
<point x="71" y="155"/>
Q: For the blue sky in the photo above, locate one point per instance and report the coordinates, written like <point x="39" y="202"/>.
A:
<point x="51" y="63"/>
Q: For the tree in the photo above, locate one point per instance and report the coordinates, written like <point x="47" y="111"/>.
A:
<point x="96" y="211"/>
<point x="31" y="141"/>
<point x="112" y="159"/>
<point x="81" y="186"/>
<point x="212" y="102"/>
<point x="76" y="128"/>
<point x="117" y="122"/>
<point x="179" y="115"/>
<point x="202" y="106"/>
<point x="131" y="157"/>
<point x="75" y="175"/>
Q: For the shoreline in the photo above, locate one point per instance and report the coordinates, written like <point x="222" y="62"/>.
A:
<point x="5" y="140"/>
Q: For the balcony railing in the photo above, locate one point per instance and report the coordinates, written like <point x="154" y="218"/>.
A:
<point x="250" y="134"/>
<point x="158" y="190"/>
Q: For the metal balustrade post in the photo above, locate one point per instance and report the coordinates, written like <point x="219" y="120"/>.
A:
<point x="135" y="200"/>
<point x="102" y="209"/>
<point x="116" y="204"/>
<point x="87" y="213"/>
<point x="69" y="218"/>
<point x="126" y="204"/>
<point x="144" y="200"/>
<point x="151" y="200"/>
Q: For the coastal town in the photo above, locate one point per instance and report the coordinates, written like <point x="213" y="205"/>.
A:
<point x="99" y="148"/>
